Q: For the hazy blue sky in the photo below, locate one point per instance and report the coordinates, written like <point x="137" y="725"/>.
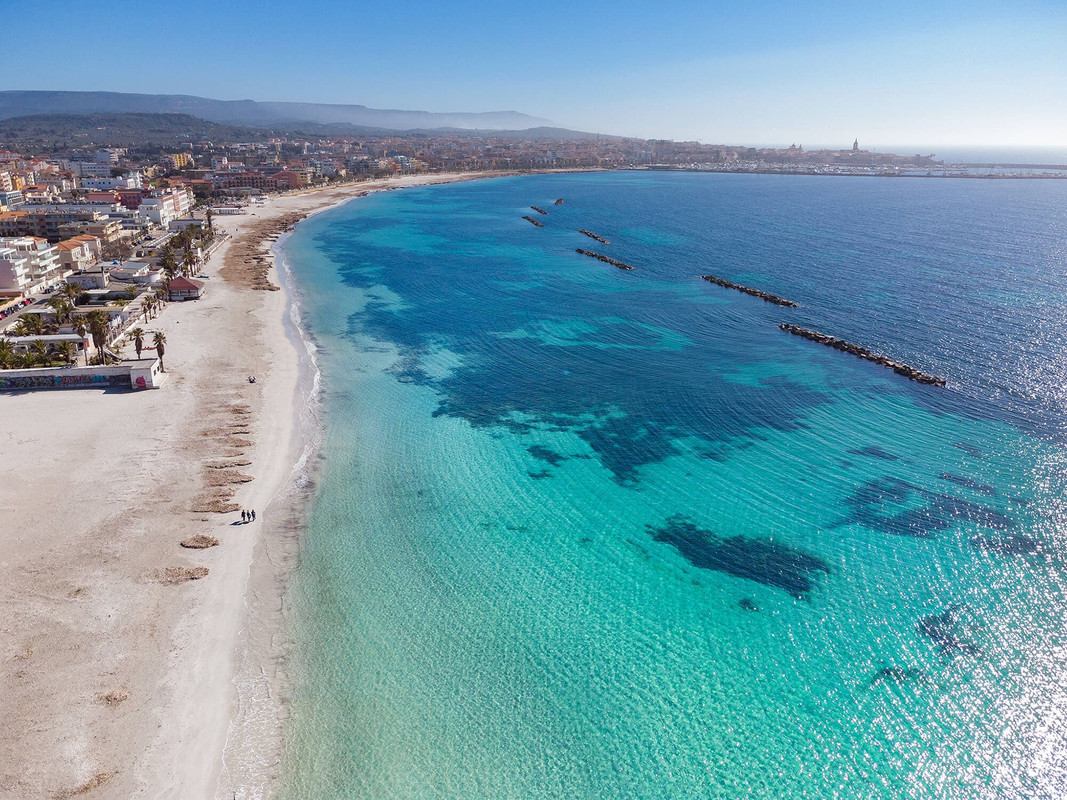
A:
<point x="755" y="72"/>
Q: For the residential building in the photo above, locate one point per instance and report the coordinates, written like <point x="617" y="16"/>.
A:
<point x="76" y="254"/>
<point x="167" y="205"/>
<point x="185" y="289"/>
<point x="132" y="180"/>
<point x="41" y="264"/>
<point x="180" y="160"/>
<point x="288" y="179"/>
<point x="14" y="270"/>
<point x="108" y="155"/>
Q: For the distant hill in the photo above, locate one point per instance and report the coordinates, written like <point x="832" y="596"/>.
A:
<point x="45" y="132"/>
<point x="61" y="131"/>
<point x="20" y="103"/>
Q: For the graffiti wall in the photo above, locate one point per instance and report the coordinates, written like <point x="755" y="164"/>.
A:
<point x="72" y="381"/>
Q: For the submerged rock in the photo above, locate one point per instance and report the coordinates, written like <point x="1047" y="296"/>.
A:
<point x="942" y="630"/>
<point x="896" y="675"/>
<point x="1013" y="544"/>
<point x="761" y="560"/>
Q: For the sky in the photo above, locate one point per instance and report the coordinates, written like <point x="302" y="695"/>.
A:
<point x="919" y="73"/>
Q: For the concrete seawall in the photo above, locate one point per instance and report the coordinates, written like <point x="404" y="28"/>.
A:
<point x="135" y="375"/>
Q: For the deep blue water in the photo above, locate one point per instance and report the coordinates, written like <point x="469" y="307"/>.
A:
<point x="585" y="532"/>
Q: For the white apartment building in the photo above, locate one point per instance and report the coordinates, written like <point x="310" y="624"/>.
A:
<point x="34" y="264"/>
<point x="166" y="206"/>
<point x="131" y="181"/>
<point x="14" y="269"/>
<point x="89" y="169"/>
<point x="108" y="155"/>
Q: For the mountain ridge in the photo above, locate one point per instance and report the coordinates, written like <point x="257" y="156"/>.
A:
<point x="253" y="113"/>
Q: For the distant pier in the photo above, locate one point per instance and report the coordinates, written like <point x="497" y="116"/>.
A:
<point x="862" y="352"/>
<point x="592" y="235"/>
<point x="603" y="258"/>
<point x="532" y="221"/>
<point x="770" y="298"/>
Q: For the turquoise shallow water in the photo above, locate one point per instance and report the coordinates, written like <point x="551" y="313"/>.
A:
<point x="591" y="533"/>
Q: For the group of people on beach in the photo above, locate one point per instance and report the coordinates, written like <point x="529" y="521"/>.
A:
<point x="248" y="516"/>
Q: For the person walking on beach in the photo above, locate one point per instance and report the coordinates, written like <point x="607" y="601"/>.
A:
<point x="244" y="517"/>
<point x="253" y="515"/>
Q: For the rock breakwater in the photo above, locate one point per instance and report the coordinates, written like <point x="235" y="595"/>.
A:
<point x="770" y="298"/>
<point x="532" y="221"/>
<point x="592" y="235"/>
<point x="907" y="371"/>
<point x="539" y="210"/>
<point x="603" y="258"/>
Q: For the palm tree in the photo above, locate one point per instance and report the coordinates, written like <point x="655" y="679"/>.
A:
<point x="68" y="351"/>
<point x="166" y="260"/>
<point x="98" y="329"/>
<point x="29" y="325"/>
<point x="189" y="261"/>
<point x="63" y="308"/>
<point x="72" y="291"/>
<point x="159" y="339"/>
<point x="137" y="334"/>
<point x="79" y="325"/>
<point x="7" y="354"/>
<point x="40" y="349"/>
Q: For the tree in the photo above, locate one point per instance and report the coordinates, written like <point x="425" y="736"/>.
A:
<point x="7" y="354"/>
<point x="72" y="292"/>
<point x="62" y="307"/>
<point x="137" y="334"/>
<point x="166" y="259"/>
<point x="98" y="329"/>
<point x="210" y="226"/>
<point x="159" y="339"/>
<point x="189" y="261"/>
<point x="120" y="250"/>
<point x="68" y="351"/>
<point x="79" y="325"/>
<point x="40" y="352"/>
<point x="29" y="325"/>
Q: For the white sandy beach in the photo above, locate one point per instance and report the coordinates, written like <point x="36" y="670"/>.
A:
<point x="115" y="680"/>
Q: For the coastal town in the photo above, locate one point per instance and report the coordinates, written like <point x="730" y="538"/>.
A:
<point x="153" y="560"/>
<point x="96" y="239"/>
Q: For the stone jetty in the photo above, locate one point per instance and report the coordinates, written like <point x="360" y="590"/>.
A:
<point x="603" y="258"/>
<point x="592" y="235"/>
<point x="770" y="298"/>
<point x="559" y="201"/>
<point x="532" y="221"/>
<point x="862" y="352"/>
<point x="539" y="210"/>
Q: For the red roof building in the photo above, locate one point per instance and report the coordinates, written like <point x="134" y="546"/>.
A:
<point x="185" y="289"/>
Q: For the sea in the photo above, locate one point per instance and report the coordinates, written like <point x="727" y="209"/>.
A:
<point x="587" y="532"/>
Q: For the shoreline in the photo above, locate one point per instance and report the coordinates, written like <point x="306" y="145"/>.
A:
<point x="118" y="681"/>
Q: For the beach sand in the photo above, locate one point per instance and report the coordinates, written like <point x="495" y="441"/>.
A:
<point x="120" y="661"/>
